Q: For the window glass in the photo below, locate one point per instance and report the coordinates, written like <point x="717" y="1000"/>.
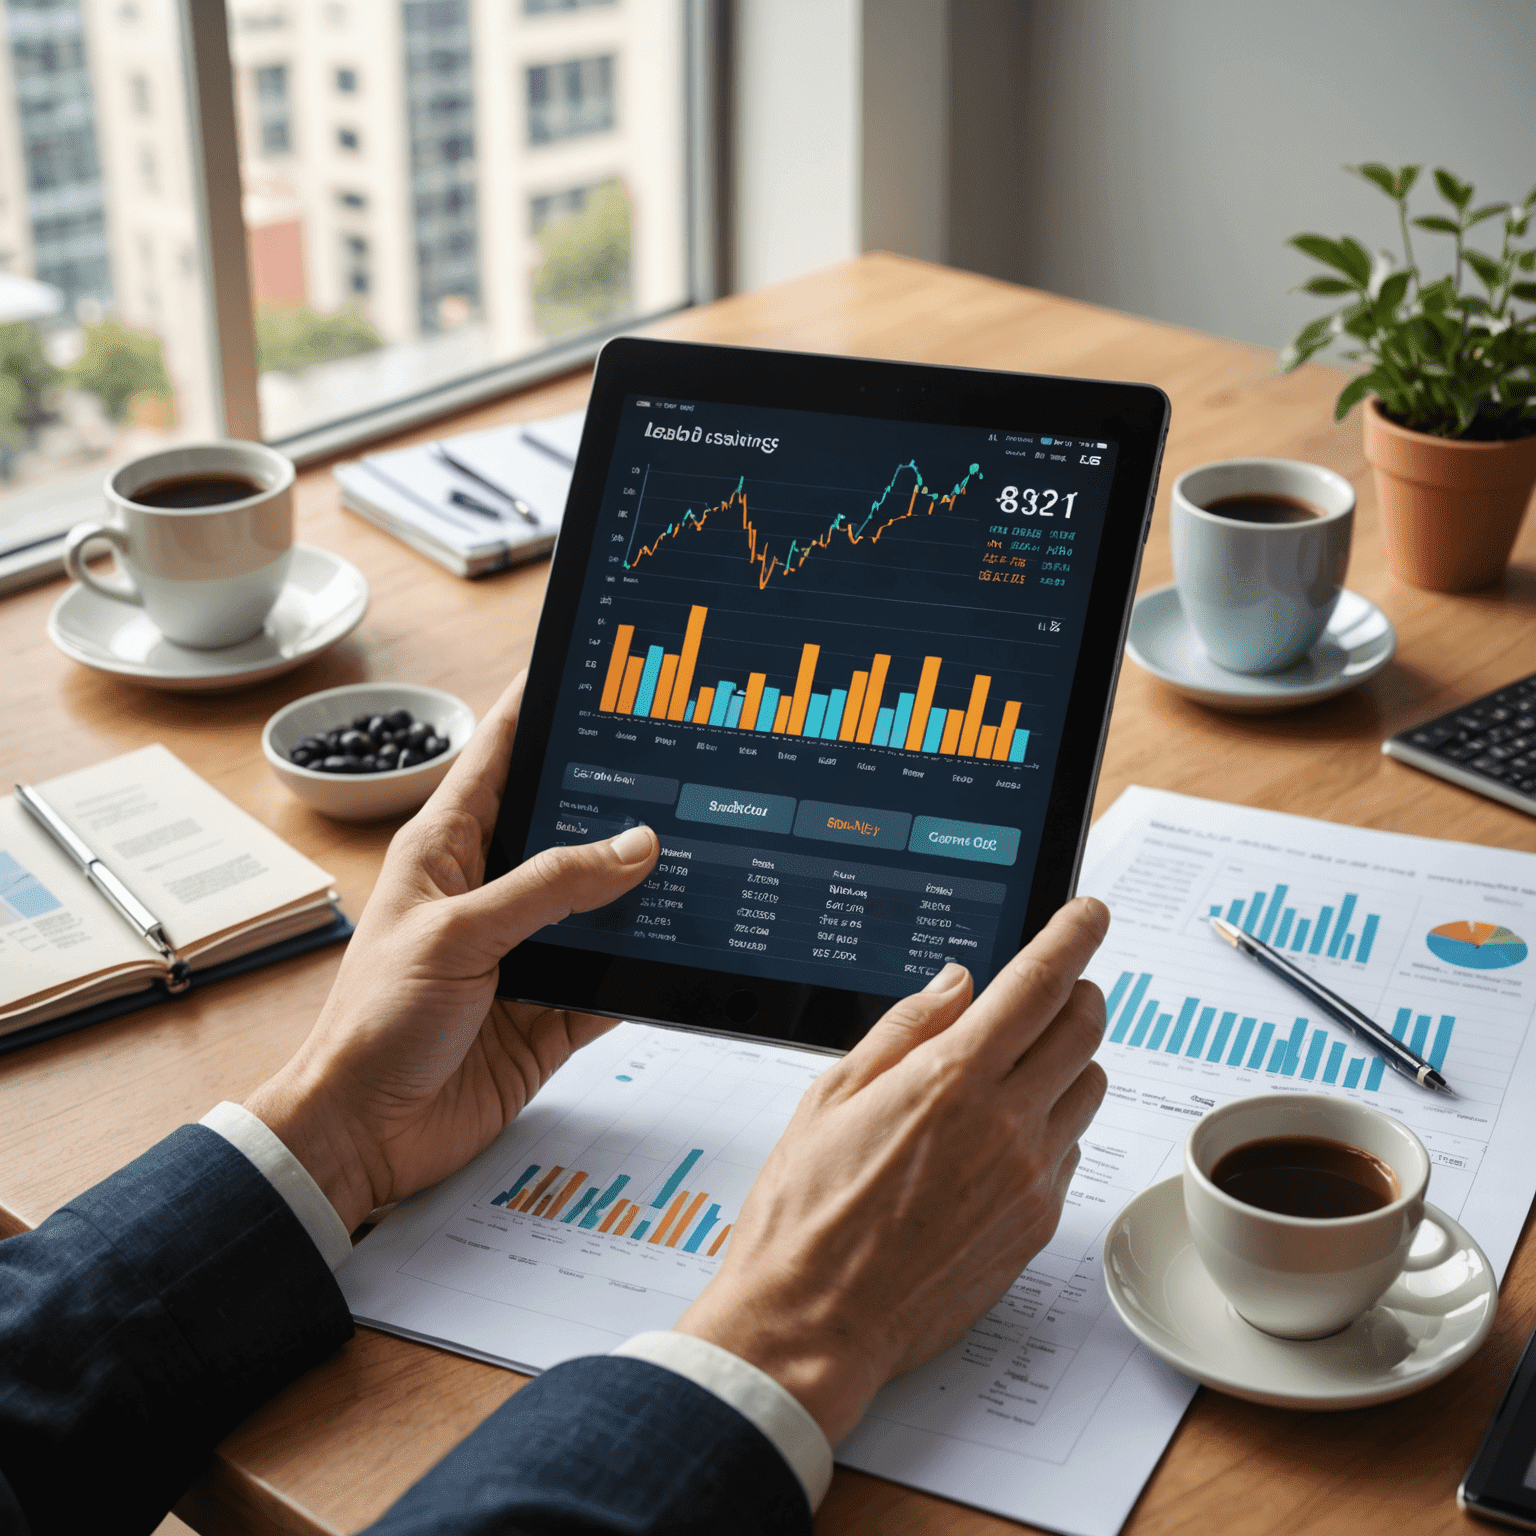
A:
<point x="103" y="330"/>
<point x="464" y="183"/>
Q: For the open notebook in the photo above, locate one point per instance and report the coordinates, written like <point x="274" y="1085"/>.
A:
<point x="221" y="883"/>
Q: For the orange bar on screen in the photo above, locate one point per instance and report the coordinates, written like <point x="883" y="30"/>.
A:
<point x="781" y="715"/>
<point x="612" y="1216"/>
<point x="702" y="706"/>
<point x="986" y="740"/>
<point x="543" y="1184"/>
<point x="538" y="1210"/>
<point x="631" y="686"/>
<point x="871" y="710"/>
<point x="972" y="726"/>
<point x="755" y="681"/>
<point x="714" y="1247"/>
<point x="616" y="666"/>
<point x="851" y="707"/>
<point x="669" y="1218"/>
<point x="686" y="662"/>
<point x="925" y="686"/>
<point x="664" y="680"/>
<point x="686" y="1220"/>
<point x="1005" y="731"/>
<point x="951" y="737"/>
<point x="565" y="1194"/>
<point x="804" y="681"/>
<point x="629" y="1218"/>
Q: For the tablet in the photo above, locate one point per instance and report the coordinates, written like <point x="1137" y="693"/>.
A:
<point x="845" y="633"/>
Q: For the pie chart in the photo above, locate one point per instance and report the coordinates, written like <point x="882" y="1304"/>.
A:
<point x="1476" y="946"/>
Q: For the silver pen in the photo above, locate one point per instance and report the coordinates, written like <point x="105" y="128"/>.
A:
<point x="1391" y="1050"/>
<point x="118" y="896"/>
<point x="519" y="506"/>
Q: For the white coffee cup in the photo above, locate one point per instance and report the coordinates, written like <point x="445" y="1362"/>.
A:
<point x="1303" y="1277"/>
<point x="208" y="575"/>
<point x="1260" y="594"/>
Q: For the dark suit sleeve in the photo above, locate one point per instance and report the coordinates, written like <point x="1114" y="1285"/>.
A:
<point x="602" y="1446"/>
<point x="140" y="1324"/>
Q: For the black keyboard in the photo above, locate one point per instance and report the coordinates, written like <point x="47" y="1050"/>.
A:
<point x="1488" y="745"/>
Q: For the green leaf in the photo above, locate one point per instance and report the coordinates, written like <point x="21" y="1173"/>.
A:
<point x="1328" y="286"/>
<point x="1526" y="261"/>
<point x="1379" y="175"/>
<point x="1457" y="193"/>
<point x="1438" y="223"/>
<point x="1525" y="291"/>
<point x="1353" y="393"/>
<point x="1331" y="253"/>
<point x="1487" y="211"/>
<point x="1406" y="176"/>
<point x="1391" y="293"/>
<point x="1486" y="268"/>
<point x="1359" y="259"/>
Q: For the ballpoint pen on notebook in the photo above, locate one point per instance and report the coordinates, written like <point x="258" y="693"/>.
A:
<point x="517" y="504"/>
<point x="118" y="896"/>
<point x="1396" y="1055"/>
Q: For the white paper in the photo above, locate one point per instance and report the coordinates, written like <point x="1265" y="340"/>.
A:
<point x="504" y="457"/>
<point x="559" y="435"/>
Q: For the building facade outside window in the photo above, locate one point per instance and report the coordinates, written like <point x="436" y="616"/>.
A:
<point x="276" y="120"/>
<point x="569" y="99"/>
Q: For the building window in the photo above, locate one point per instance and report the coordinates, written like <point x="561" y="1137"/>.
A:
<point x="346" y="138"/>
<point x="356" y="269"/>
<point x="542" y="7"/>
<point x="346" y="81"/>
<point x="138" y="90"/>
<point x="273" y="109"/>
<point x="586" y="236"/>
<point x="149" y="169"/>
<point x="570" y="99"/>
<point x="352" y="200"/>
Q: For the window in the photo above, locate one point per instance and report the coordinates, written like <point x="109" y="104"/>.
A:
<point x="538" y="7"/>
<point x="584" y="278"/>
<point x="352" y="200"/>
<point x="138" y="91"/>
<point x="346" y="138"/>
<point x="346" y="81"/>
<point x="570" y="99"/>
<point x="359" y="277"/>
<point x="273" y="108"/>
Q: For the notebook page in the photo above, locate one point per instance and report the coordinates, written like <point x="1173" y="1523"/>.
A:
<point x="192" y="856"/>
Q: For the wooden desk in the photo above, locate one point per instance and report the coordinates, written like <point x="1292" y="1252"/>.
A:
<point x="337" y="1448"/>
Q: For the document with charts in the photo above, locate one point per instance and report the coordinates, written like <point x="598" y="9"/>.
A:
<point x="607" y="1206"/>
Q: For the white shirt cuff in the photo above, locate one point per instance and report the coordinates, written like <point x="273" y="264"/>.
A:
<point x="754" y="1394"/>
<point x="287" y="1175"/>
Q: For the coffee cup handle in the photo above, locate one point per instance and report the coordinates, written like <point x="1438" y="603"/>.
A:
<point x="1436" y="1255"/>
<point x="85" y="534"/>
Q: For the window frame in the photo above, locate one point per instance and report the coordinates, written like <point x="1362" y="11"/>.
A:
<point x="706" y="45"/>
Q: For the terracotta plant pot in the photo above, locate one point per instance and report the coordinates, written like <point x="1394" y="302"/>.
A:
<point x="1450" y="510"/>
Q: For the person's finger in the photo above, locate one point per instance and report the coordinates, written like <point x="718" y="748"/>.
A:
<point x="550" y="886"/>
<point x="474" y="782"/>
<point x="1066" y="1046"/>
<point x="905" y="1025"/>
<point x="1073" y="1112"/>
<point x="1033" y="987"/>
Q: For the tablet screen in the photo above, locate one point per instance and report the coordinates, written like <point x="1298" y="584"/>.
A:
<point x="828" y="659"/>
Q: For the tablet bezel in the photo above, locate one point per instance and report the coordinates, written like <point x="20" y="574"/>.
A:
<point x="1133" y="416"/>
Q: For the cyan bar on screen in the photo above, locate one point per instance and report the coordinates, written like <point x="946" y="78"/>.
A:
<point x="688" y="713"/>
<point x="733" y="711"/>
<point x="1335" y="1056"/>
<point x="1349" y="944"/>
<point x="933" y="732"/>
<point x="1420" y="1034"/>
<point x="1320" y="933"/>
<point x="1373" y="1077"/>
<point x="1016" y="751"/>
<point x="1314" y="1054"/>
<point x="882" y="736"/>
<point x="723" y="692"/>
<point x="647" y="694"/>
<point x="678" y="1175"/>
<point x="640" y="1231"/>
<point x="1292" y="1058"/>
<point x="1235" y="911"/>
<point x="1442" y="1041"/>
<point x="815" y="715"/>
<point x="1186" y="1013"/>
<point x="604" y="1200"/>
<point x="1341" y="927"/>
<point x="1257" y="1059"/>
<point x="1254" y="908"/>
<point x="1223" y="1032"/>
<point x="1275" y="903"/>
<point x="1352" y="1076"/>
<point x="1301" y="935"/>
<point x="1276" y="1057"/>
<point x="834" y="720"/>
<point x="1116" y="992"/>
<point x="587" y="1197"/>
<point x="1286" y="919"/>
<point x="1144" y="1022"/>
<point x="1400" y="1024"/>
<point x="1367" y="938"/>
<point x="1159" y="1030"/>
<point x="1129" y="1011"/>
<point x="711" y="1216"/>
<point x="1216" y="911"/>
<point x="902" y="722"/>
<point x="1244" y="1032"/>
<point x="767" y="709"/>
<point x="1202" y="1029"/>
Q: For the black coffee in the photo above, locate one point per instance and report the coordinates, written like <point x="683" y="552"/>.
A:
<point x="1252" y="507"/>
<point x="1306" y="1176"/>
<point x="196" y="491"/>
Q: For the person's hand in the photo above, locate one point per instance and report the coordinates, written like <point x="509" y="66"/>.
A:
<point x="916" y="1179"/>
<point x="413" y="1067"/>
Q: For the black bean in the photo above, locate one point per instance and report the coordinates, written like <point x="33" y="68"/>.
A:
<point x="334" y="765"/>
<point x="310" y="743"/>
<point x="367" y="764"/>
<point x="434" y="746"/>
<point x="376" y="726"/>
<point x="355" y="743"/>
<point x="418" y="733"/>
<point x="399" y="719"/>
<point x="300" y="755"/>
<point x="387" y="754"/>
<point x="409" y="758"/>
<point x="360" y="722"/>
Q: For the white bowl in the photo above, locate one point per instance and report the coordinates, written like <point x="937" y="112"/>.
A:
<point x="365" y="796"/>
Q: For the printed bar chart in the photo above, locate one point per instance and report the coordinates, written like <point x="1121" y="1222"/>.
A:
<point x="671" y="1216"/>
<point x="1266" y="916"/>
<point x="1300" y="1050"/>
<point x="868" y="710"/>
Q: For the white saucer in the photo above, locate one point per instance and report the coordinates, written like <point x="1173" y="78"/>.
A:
<point x="1357" y="644"/>
<point x="323" y="601"/>
<point x="1422" y="1329"/>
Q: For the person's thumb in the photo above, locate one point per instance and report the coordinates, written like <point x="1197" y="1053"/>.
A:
<point x="905" y="1026"/>
<point x="552" y="884"/>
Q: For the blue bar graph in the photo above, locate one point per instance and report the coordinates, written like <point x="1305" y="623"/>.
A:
<point x="723" y="692"/>
<point x="1016" y="749"/>
<point x="733" y="712"/>
<point x="647" y="695"/>
<point x="711" y="1216"/>
<point x="1266" y="915"/>
<point x="587" y="1197"/>
<point x="883" y="719"/>
<point x="1367" y="938"/>
<point x="1275" y="903"/>
<point x="1320" y="933"/>
<point x="1284" y="932"/>
<point x="1301" y="934"/>
<point x="516" y="1189"/>
<point x="903" y="718"/>
<point x="604" y="1200"/>
<point x="835" y="706"/>
<point x="767" y="709"/>
<point x="678" y="1175"/>
<point x="816" y="714"/>
<point x="933" y="733"/>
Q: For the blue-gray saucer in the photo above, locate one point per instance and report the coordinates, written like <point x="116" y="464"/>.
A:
<point x="1357" y="644"/>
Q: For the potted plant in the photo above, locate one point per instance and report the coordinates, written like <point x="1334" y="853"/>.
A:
<point x="1450" y="425"/>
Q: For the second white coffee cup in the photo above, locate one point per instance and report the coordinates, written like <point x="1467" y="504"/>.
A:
<point x="1303" y="1277"/>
